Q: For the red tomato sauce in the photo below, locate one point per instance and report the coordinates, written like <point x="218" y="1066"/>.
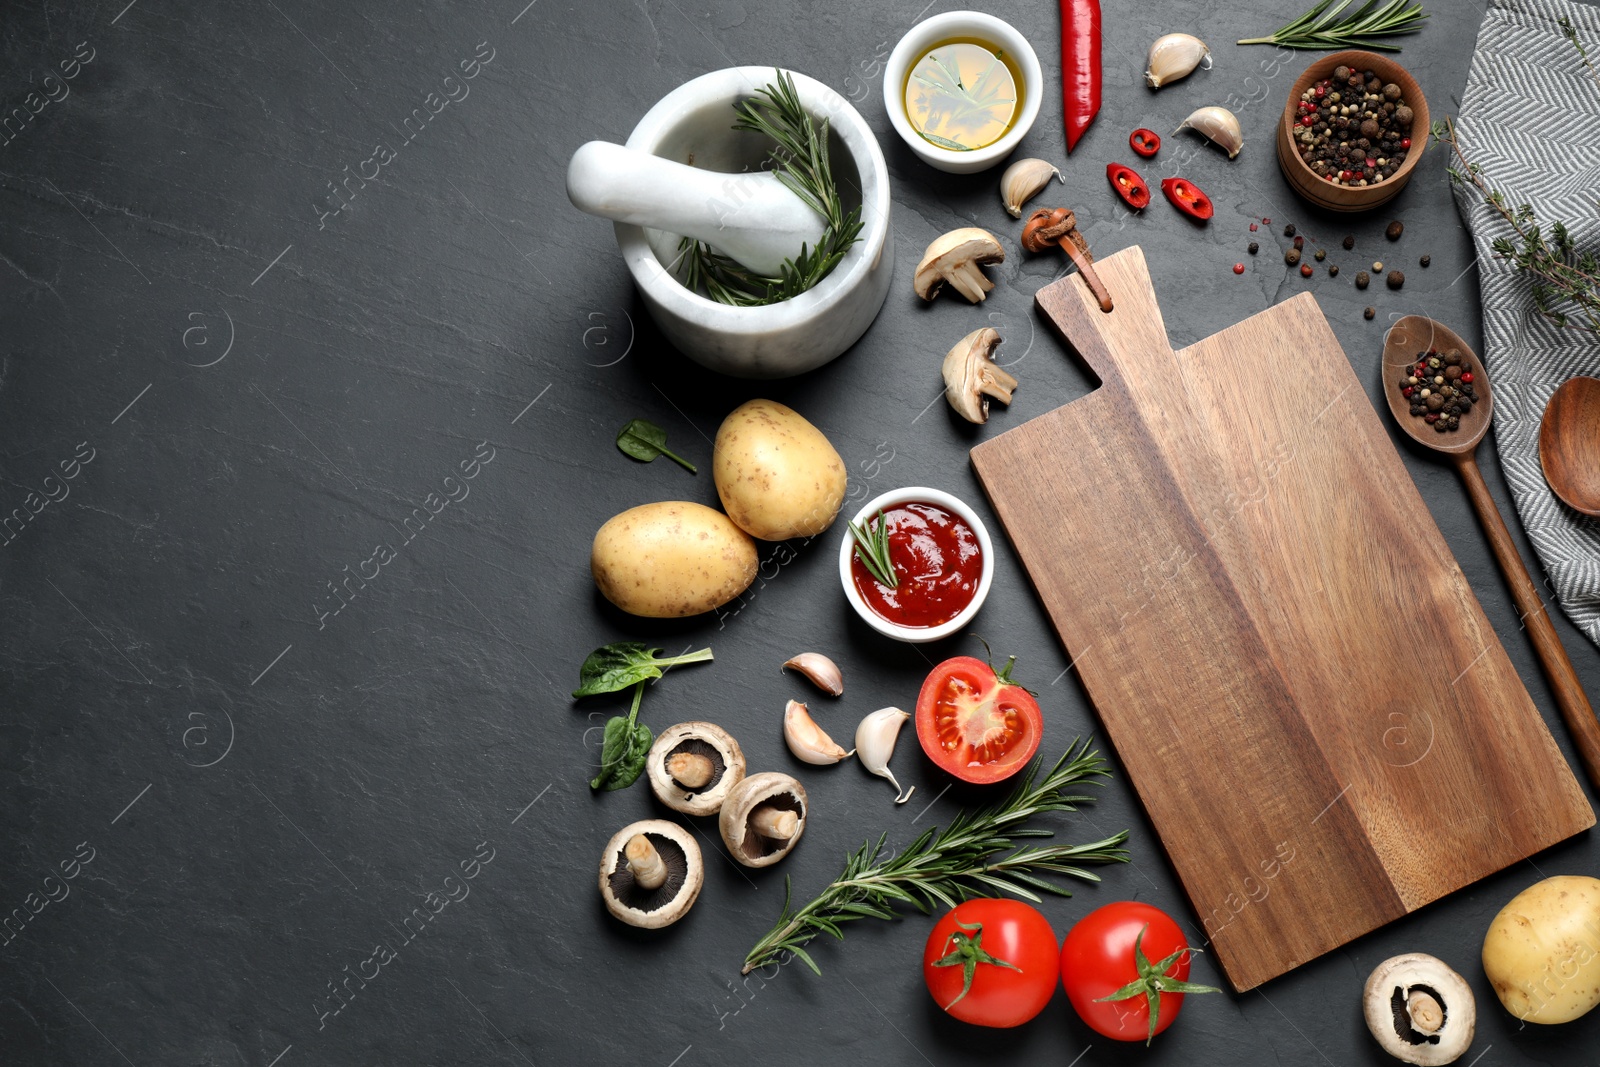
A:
<point x="937" y="559"/>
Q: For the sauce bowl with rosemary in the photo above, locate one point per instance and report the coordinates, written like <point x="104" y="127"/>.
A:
<point x="916" y="564"/>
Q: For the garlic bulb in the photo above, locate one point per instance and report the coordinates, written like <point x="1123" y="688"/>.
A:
<point x="1219" y="124"/>
<point x="1022" y="181"/>
<point x="807" y="740"/>
<point x="1173" y="58"/>
<point x="875" y="739"/>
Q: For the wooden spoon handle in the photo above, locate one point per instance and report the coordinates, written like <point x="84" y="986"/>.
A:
<point x="1574" y="705"/>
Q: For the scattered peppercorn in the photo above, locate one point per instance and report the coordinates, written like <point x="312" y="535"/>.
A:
<point x="1305" y="270"/>
<point x="1349" y="241"/>
<point x="1288" y="231"/>
<point x="1238" y="268"/>
<point x="1396" y="279"/>
<point x="1377" y="266"/>
<point x="1369" y="312"/>
<point x="1252" y="227"/>
<point x="1362" y="278"/>
<point x="1425" y="260"/>
<point x="1321" y="255"/>
<point x="1299" y="242"/>
<point x="1254" y="248"/>
<point x="1396" y="228"/>
<point x="1292" y="256"/>
<point x="1333" y="270"/>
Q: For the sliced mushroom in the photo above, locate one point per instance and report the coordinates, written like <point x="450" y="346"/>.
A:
<point x="763" y="818"/>
<point x="971" y="377"/>
<point x="693" y="765"/>
<point x="955" y="258"/>
<point x="1420" y="1010"/>
<point x="651" y="873"/>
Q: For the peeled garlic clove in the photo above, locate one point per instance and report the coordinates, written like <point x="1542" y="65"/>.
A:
<point x="875" y="739"/>
<point x="806" y="739"/>
<point x="1173" y="58"/>
<point x="1219" y="124"/>
<point x="822" y="671"/>
<point x="1022" y="181"/>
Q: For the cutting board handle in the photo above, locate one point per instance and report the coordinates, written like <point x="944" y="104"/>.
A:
<point x="1116" y="344"/>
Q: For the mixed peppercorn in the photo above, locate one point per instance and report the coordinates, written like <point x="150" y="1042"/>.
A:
<point x="1352" y="128"/>
<point x="1439" y="387"/>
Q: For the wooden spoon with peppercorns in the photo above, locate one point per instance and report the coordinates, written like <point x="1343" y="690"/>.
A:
<point x="1418" y="355"/>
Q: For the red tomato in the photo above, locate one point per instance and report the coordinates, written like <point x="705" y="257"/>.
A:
<point x="1107" y="971"/>
<point x="991" y="962"/>
<point x="980" y="726"/>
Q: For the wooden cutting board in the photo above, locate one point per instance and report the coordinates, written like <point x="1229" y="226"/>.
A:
<point x="1319" y="719"/>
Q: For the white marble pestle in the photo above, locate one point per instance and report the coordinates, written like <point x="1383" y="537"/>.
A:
<point x="752" y="217"/>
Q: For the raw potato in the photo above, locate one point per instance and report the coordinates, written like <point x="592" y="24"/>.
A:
<point x="671" y="559"/>
<point x="1542" y="952"/>
<point x="777" y="475"/>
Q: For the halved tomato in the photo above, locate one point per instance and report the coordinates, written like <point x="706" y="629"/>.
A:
<point x="976" y="722"/>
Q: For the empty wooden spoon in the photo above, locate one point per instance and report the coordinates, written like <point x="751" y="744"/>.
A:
<point x="1415" y="337"/>
<point x="1569" y="444"/>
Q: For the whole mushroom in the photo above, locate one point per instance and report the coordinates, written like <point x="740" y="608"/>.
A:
<point x="763" y="817"/>
<point x="955" y="258"/>
<point x="693" y="765"/>
<point x="971" y="377"/>
<point x="1420" y="1010"/>
<point x="650" y="873"/>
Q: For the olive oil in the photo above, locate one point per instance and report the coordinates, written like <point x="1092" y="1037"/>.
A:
<point x="963" y="94"/>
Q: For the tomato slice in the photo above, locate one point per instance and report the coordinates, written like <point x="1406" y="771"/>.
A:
<point x="1188" y="198"/>
<point x="975" y="723"/>
<point x="1132" y="188"/>
<point x="1145" y="142"/>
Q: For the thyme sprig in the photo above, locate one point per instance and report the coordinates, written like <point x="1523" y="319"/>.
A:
<point x="800" y="160"/>
<point x="872" y="548"/>
<point x="1566" y="280"/>
<point x="1323" y="27"/>
<point x="1570" y="32"/>
<point x="971" y="857"/>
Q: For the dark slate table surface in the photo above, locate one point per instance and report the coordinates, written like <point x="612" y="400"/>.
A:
<point x="256" y="781"/>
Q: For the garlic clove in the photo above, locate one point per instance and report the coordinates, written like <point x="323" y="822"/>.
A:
<point x="1174" y="57"/>
<point x="807" y="740"/>
<point x="1219" y="124"/>
<point x="823" y="672"/>
<point x="1022" y="181"/>
<point x="875" y="739"/>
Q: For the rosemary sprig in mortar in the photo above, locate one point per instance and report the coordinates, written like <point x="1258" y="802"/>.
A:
<point x="800" y="160"/>
<point x="945" y="867"/>
<point x="1566" y="281"/>
<point x="1323" y="28"/>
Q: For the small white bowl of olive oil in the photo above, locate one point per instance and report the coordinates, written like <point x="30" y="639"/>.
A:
<point x="962" y="89"/>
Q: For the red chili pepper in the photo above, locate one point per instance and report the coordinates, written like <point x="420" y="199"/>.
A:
<point x="1080" y="66"/>
<point x="1145" y="142"/>
<point x="1132" y="188"/>
<point x="1188" y="198"/>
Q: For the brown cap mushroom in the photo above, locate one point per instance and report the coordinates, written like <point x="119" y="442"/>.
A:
<point x="650" y="873"/>
<point x="763" y="817"/>
<point x="1420" y="1010"/>
<point x="955" y="258"/>
<point x="970" y="375"/>
<point x="693" y="765"/>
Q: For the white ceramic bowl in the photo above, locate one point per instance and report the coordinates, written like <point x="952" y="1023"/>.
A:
<point x="925" y="35"/>
<point x="693" y="125"/>
<point x="894" y="498"/>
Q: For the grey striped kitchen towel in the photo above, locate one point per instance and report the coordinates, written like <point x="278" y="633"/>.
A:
<point x="1530" y="118"/>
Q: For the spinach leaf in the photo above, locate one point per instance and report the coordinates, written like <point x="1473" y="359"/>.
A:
<point x="616" y="666"/>
<point x="625" y="748"/>
<point x="644" y="440"/>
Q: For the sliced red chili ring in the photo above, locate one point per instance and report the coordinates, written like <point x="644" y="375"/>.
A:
<point x="1132" y="188"/>
<point x="1145" y="142"/>
<point x="1188" y="198"/>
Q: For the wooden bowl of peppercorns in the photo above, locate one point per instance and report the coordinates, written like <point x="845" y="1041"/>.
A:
<point x="1353" y="130"/>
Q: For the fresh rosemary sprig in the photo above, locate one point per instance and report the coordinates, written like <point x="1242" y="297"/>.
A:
<point x="872" y="548"/>
<point x="1323" y="28"/>
<point x="1563" y="276"/>
<point x="800" y="160"/>
<point x="945" y="867"/>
